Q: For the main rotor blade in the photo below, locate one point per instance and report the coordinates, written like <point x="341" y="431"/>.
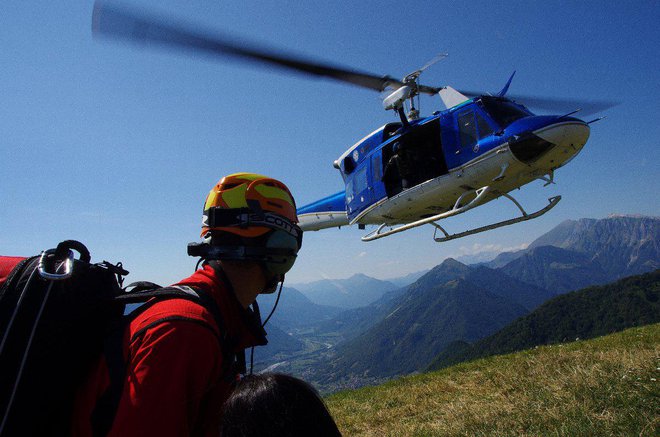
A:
<point x="439" y="57"/>
<point x="126" y="25"/>
<point x="559" y="105"/>
<point x="587" y="107"/>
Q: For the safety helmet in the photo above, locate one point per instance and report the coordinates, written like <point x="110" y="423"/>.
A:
<point x="249" y="216"/>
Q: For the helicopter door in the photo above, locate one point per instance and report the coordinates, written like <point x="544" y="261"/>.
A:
<point x="376" y="176"/>
<point x="472" y="126"/>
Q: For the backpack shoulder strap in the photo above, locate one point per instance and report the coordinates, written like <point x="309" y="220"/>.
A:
<point x="106" y="407"/>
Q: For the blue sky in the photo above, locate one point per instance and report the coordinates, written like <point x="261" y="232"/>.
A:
<point x="118" y="146"/>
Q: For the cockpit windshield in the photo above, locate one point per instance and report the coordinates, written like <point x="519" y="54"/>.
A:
<point x="503" y="111"/>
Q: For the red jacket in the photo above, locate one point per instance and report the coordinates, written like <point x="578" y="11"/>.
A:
<point x="7" y="264"/>
<point x="174" y="384"/>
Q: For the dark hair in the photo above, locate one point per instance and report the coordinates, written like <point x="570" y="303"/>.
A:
<point x="275" y="404"/>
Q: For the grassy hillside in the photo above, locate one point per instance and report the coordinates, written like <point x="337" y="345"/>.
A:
<point x="605" y="386"/>
<point x="587" y="313"/>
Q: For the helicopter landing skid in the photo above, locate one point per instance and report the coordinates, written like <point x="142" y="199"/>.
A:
<point x="552" y="202"/>
<point x="480" y="193"/>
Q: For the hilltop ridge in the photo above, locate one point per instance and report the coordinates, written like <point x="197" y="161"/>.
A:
<point x="586" y="313"/>
<point x="622" y="245"/>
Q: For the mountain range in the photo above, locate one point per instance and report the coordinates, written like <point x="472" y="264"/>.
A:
<point x="442" y="306"/>
<point x="578" y="253"/>
<point x="402" y="330"/>
<point x="556" y="269"/>
<point x="357" y="291"/>
<point x="622" y="245"/>
<point x="294" y="310"/>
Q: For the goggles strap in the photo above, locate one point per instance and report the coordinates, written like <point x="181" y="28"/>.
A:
<point x="246" y="252"/>
<point x="246" y="217"/>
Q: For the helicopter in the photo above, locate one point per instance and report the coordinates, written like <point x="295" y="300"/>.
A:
<point x="416" y="170"/>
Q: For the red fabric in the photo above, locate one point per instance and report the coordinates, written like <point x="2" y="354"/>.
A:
<point x="7" y="264"/>
<point x="174" y="385"/>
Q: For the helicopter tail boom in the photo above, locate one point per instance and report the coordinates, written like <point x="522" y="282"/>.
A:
<point x="329" y="212"/>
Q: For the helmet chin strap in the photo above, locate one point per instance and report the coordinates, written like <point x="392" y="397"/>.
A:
<point x="277" y="300"/>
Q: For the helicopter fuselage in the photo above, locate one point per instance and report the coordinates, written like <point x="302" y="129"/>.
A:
<point x="403" y="174"/>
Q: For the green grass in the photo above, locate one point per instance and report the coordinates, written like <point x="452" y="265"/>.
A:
<point x="605" y="386"/>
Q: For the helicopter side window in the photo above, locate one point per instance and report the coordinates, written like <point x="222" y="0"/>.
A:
<point x="349" y="165"/>
<point x="503" y="111"/>
<point x="467" y="129"/>
<point x="360" y="181"/>
<point x="349" y="192"/>
<point x="483" y="126"/>
<point x="390" y="130"/>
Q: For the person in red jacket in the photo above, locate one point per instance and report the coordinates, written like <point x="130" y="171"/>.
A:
<point x="177" y="365"/>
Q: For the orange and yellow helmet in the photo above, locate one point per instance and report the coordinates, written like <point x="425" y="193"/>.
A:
<point x="238" y="201"/>
<point x="248" y="216"/>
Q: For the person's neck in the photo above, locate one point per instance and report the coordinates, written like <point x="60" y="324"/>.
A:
<point x="246" y="279"/>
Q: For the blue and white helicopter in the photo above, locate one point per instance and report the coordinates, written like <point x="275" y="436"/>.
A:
<point x="417" y="170"/>
<point x="475" y="151"/>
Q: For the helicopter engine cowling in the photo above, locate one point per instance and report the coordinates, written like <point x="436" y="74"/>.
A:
<point x="396" y="99"/>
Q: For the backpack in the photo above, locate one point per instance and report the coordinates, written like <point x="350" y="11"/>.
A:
<point x="58" y="314"/>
